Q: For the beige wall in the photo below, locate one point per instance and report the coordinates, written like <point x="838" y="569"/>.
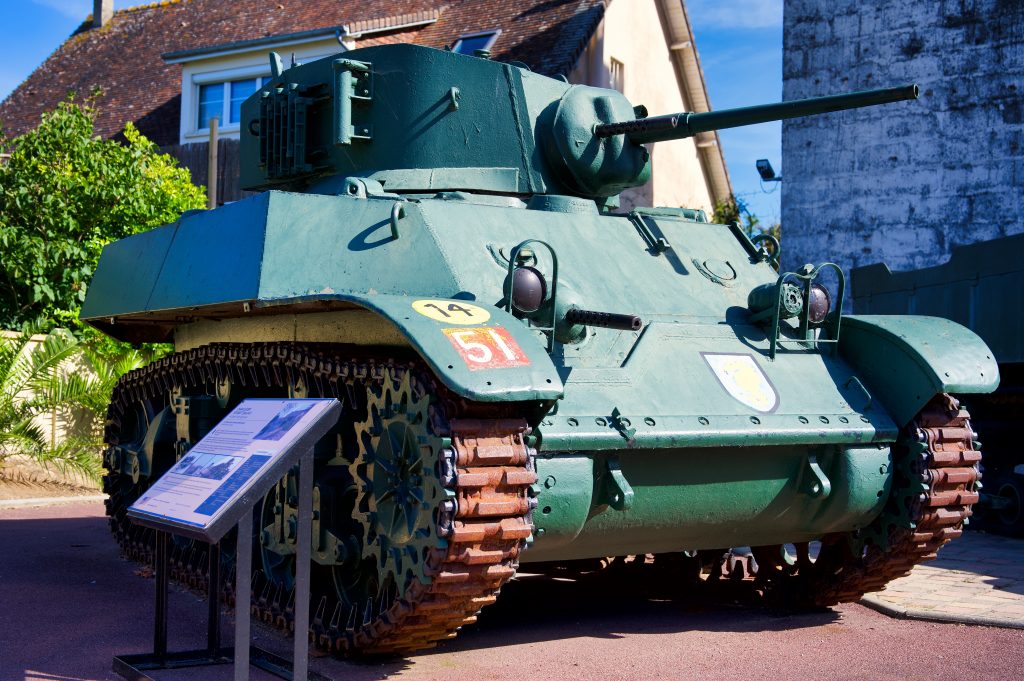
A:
<point x="631" y="33"/>
<point x="55" y="424"/>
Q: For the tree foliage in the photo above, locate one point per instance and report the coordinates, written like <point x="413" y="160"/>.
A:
<point x="735" y="210"/>
<point x="64" y="194"/>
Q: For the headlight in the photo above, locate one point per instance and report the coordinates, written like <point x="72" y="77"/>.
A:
<point x="528" y="289"/>
<point x="819" y="304"/>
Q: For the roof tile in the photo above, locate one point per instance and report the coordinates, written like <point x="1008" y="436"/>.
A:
<point x="123" y="58"/>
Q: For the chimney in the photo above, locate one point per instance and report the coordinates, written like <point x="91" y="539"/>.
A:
<point x="102" y="12"/>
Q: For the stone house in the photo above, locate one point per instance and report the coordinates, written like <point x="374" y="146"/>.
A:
<point x="171" y="66"/>
<point x="903" y="183"/>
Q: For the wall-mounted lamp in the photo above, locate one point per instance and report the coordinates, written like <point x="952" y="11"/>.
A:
<point x="765" y="170"/>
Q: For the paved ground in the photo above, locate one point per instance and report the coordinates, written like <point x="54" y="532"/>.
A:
<point x="69" y="604"/>
<point x="977" y="579"/>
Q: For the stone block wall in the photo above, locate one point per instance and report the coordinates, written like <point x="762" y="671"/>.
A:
<point x="903" y="183"/>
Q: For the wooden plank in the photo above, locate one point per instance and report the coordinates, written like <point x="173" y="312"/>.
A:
<point x="195" y="158"/>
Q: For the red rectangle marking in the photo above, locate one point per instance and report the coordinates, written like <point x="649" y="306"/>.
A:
<point x="487" y="347"/>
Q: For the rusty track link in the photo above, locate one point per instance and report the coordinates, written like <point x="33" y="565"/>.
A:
<point x="934" y="486"/>
<point x="486" y="528"/>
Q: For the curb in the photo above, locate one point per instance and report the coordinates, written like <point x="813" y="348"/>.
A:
<point x="936" y="616"/>
<point x="50" y="501"/>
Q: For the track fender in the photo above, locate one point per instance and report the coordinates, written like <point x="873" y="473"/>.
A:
<point x="481" y="352"/>
<point x="905" y="360"/>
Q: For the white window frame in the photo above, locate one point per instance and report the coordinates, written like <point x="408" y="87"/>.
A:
<point x="223" y="78"/>
<point x="255" y="65"/>
<point x="494" y="33"/>
<point x="197" y="127"/>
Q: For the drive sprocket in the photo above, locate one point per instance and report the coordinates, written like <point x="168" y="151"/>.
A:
<point x="396" y="479"/>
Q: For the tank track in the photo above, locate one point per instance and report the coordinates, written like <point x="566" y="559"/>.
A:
<point x="934" y="486"/>
<point x="937" y="476"/>
<point x="487" y="467"/>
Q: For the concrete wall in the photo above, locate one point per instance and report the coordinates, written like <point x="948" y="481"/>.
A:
<point x="903" y="183"/>
<point x="631" y="33"/>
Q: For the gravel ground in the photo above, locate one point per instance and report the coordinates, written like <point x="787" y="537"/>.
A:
<point x="70" y="604"/>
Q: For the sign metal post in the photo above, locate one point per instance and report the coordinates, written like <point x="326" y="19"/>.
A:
<point x="243" y="585"/>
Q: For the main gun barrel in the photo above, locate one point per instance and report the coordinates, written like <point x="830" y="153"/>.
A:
<point x="688" y="124"/>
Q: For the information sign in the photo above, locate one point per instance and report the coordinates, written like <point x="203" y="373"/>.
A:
<point x="242" y="456"/>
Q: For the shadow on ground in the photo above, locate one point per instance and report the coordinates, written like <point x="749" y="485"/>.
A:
<point x="1000" y="560"/>
<point x="71" y="604"/>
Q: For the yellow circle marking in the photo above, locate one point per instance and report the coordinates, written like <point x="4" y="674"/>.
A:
<point x="452" y="311"/>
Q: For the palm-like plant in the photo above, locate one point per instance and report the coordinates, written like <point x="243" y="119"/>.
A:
<point x="59" y="375"/>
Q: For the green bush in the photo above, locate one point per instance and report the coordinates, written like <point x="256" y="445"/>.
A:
<point x="64" y="194"/>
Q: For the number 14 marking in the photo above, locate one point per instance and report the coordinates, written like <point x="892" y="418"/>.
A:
<point x="487" y="347"/>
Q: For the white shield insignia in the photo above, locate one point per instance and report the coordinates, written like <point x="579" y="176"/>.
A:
<point x="743" y="379"/>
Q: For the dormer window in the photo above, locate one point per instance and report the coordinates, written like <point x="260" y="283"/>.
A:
<point x="471" y="42"/>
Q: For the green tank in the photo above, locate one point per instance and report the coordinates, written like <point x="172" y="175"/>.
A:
<point x="529" y="377"/>
<point x="982" y="287"/>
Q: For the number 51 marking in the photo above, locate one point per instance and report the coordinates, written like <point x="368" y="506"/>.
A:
<point x="487" y="347"/>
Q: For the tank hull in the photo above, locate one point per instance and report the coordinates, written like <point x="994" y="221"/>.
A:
<point x="713" y="439"/>
<point x="682" y="499"/>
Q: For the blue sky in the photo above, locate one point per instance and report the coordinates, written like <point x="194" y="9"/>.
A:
<point x="740" y="47"/>
<point x="34" y="29"/>
<point x="739" y="41"/>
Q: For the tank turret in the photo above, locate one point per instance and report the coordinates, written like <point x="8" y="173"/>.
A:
<point x="419" y="120"/>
